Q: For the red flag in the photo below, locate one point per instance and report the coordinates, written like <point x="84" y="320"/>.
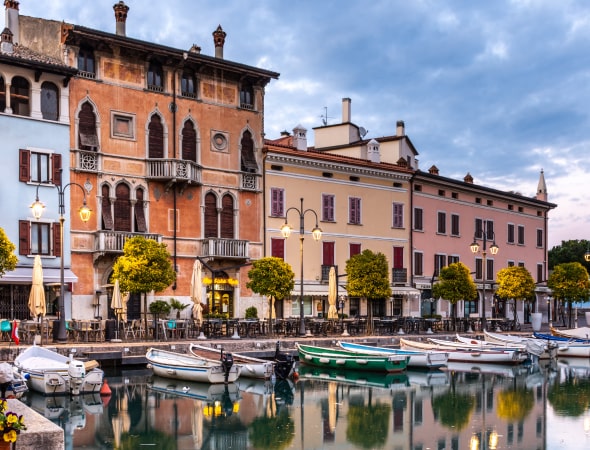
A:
<point x="14" y="334"/>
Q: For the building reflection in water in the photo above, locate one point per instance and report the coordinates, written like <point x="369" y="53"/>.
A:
<point x="465" y="407"/>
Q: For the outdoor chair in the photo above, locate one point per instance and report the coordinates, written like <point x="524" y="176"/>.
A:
<point x="6" y="329"/>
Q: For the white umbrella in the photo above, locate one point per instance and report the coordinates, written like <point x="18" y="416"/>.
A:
<point x="332" y="311"/>
<point x="117" y="303"/>
<point x="196" y="290"/>
<point x="37" y="294"/>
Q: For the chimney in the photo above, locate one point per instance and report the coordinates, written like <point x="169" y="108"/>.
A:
<point x="300" y="138"/>
<point x="219" y="40"/>
<point x="194" y="49"/>
<point x="468" y="178"/>
<point x="400" y="128"/>
<point x="121" y="10"/>
<point x="373" y="151"/>
<point x="6" y="45"/>
<point x="346" y="110"/>
<point x="433" y="170"/>
<point x="11" y="20"/>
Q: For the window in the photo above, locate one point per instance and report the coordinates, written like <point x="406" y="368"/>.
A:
<point x="139" y="208"/>
<point x="249" y="163"/>
<point x="489" y="269"/>
<point x="354" y="210"/>
<point x="327" y="253"/>
<point x="188" y="84"/>
<point x="227" y="217"/>
<point x="2" y="95"/>
<point x="398" y="258"/>
<point x="540" y="273"/>
<point x="123" y="125"/>
<point x="122" y="208"/>
<point x="277" y="248"/>
<point x="211" y="226"/>
<point x="277" y="202"/>
<point x="49" y="101"/>
<point x="418" y="263"/>
<point x="156" y="137"/>
<point x="478" y="269"/>
<point x="398" y="215"/>
<point x="439" y="263"/>
<point x="452" y="259"/>
<point x="86" y="62"/>
<point x="418" y="222"/>
<point x="39" y="167"/>
<point x="539" y="238"/>
<point x="106" y="213"/>
<point x="155" y="77"/>
<point x="353" y="249"/>
<point x="511" y="233"/>
<point x="328" y="201"/>
<point x="246" y="95"/>
<point x="520" y="235"/>
<point x="87" y="137"/>
<point x="441" y="223"/>
<point x="19" y="96"/>
<point x="189" y="142"/>
<point x="39" y="238"/>
<point x="455" y="231"/>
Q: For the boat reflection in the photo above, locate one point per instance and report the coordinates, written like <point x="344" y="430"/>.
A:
<point x="359" y="378"/>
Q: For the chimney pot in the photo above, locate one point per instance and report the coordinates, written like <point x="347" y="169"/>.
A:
<point x="346" y="110"/>
<point x="400" y="128"/>
<point x="12" y="20"/>
<point x="121" y="10"/>
<point x="219" y="41"/>
<point x="6" y="45"/>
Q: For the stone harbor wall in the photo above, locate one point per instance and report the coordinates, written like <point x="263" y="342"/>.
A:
<point x="41" y="433"/>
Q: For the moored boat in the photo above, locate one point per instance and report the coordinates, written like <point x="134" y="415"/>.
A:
<point x="576" y="333"/>
<point x="181" y="366"/>
<point x="342" y="359"/>
<point x="250" y="367"/>
<point x="531" y="344"/>
<point x="12" y="383"/>
<point x="421" y="359"/>
<point x="51" y="373"/>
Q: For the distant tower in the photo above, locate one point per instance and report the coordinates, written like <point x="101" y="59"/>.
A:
<point x="219" y="41"/>
<point x="542" y="188"/>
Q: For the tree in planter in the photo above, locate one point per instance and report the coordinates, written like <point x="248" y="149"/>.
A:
<point x="569" y="283"/>
<point x="8" y="259"/>
<point x="368" y="278"/>
<point x="177" y="306"/>
<point x="251" y="313"/>
<point x="454" y="284"/>
<point x="144" y="267"/>
<point x="516" y="283"/>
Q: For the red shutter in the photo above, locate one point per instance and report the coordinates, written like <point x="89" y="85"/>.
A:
<point x="24" y="169"/>
<point x="24" y="237"/>
<point x="354" y="249"/>
<point x="156" y="138"/>
<point x="398" y="257"/>
<point x="56" y="240"/>
<point x="227" y="217"/>
<point x="189" y="142"/>
<point x="56" y="169"/>
<point x="277" y="248"/>
<point x="327" y="253"/>
<point x="210" y="216"/>
<point x="122" y="208"/>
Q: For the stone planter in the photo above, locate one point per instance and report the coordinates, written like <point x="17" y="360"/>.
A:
<point x="536" y="321"/>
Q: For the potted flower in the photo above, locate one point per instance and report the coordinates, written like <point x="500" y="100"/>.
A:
<point x="11" y="424"/>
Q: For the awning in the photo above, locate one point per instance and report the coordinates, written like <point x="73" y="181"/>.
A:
<point x="406" y="291"/>
<point x="50" y="275"/>
<point x="310" y="290"/>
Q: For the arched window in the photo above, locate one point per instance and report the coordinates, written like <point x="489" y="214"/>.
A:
<point x="227" y="217"/>
<point x="248" y="160"/>
<point x="188" y="84"/>
<point x="49" y="101"/>
<point x="246" y="95"/>
<point x="86" y="61"/>
<point x="87" y="137"/>
<point x="122" y="208"/>
<point x="140" y="222"/>
<point x="155" y="76"/>
<point x="19" y="96"/>
<point x="156" y="137"/>
<point x="189" y="142"/>
<point x="107" y="214"/>
<point x="210" y="215"/>
<point x="2" y="95"/>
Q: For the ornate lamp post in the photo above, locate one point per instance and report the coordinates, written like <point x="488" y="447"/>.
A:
<point x="317" y="235"/>
<point x="487" y="235"/>
<point x="37" y="209"/>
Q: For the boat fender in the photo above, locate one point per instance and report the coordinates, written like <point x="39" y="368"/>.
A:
<point x="324" y="360"/>
<point x="27" y="376"/>
<point x="340" y="361"/>
<point x="361" y="361"/>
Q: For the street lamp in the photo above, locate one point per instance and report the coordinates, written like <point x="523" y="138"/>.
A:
<point x="493" y="250"/>
<point x="317" y="235"/>
<point x="37" y="209"/>
<point x="587" y="254"/>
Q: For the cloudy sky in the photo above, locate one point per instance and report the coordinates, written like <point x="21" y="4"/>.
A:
<point x="499" y="89"/>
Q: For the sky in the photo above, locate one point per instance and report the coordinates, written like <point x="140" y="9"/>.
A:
<point x="499" y="89"/>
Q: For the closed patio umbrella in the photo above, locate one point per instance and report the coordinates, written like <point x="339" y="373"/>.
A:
<point x="37" y="305"/>
<point x="196" y="289"/>
<point x="332" y="311"/>
<point x="117" y="304"/>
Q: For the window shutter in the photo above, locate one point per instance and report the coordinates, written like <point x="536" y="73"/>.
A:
<point x="24" y="167"/>
<point x="277" y="202"/>
<point x="398" y="257"/>
<point x="140" y="222"/>
<point x="56" y="169"/>
<point x="107" y="215"/>
<point x="88" y="140"/>
<point x="56" y="240"/>
<point x="248" y="159"/>
<point x="277" y="248"/>
<point x="189" y="142"/>
<point x="122" y="208"/>
<point x="156" y="137"/>
<point x="227" y="217"/>
<point x="210" y="216"/>
<point x="24" y="237"/>
<point x="354" y="249"/>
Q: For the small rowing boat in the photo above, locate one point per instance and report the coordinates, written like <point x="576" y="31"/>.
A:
<point x="422" y="359"/>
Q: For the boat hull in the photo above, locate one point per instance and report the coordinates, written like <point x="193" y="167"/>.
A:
<point x="250" y="367"/>
<point x="418" y="359"/>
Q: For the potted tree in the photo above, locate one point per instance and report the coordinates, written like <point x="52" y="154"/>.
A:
<point x="159" y="308"/>
<point x="177" y="306"/>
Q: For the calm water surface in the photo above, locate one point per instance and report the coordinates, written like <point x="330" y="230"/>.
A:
<point x="486" y="407"/>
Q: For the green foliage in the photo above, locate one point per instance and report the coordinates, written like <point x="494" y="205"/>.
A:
<point x="178" y="305"/>
<point x="160" y="307"/>
<point x="144" y="267"/>
<point x="570" y="397"/>
<point x="515" y="282"/>
<point x="8" y="259"/>
<point x="453" y="410"/>
<point x="455" y="283"/>
<point x="272" y="277"/>
<point x="272" y="433"/>
<point x="569" y="282"/>
<point x="251" y="313"/>
<point x="569" y="251"/>
<point x="368" y="425"/>
<point x="368" y="276"/>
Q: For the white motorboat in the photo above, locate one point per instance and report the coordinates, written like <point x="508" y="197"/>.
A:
<point x="51" y="373"/>
<point x="424" y="359"/>
<point x="181" y="366"/>
<point x="250" y="367"/>
<point x="12" y="383"/>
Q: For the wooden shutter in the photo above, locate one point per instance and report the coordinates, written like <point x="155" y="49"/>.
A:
<point x="277" y="248"/>
<point x="122" y="208"/>
<point x="398" y="257"/>
<point x="276" y="202"/>
<point x="88" y="140"/>
<point x="156" y="137"/>
<point x="24" y="237"/>
<point x="189" y="142"/>
<point x="56" y="169"/>
<point x="210" y="216"/>
<point x="327" y="253"/>
<point x="248" y="159"/>
<point x="227" y="217"/>
<point x="140" y="222"/>
<point x="354" y="249"/>
<point x="107" y="215"/>
<point x="24" y="166"/>
<point x="55" y="228"/>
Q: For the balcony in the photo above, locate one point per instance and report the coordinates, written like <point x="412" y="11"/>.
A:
<point x="106" y="241"/>
<point x="249" y="181"/>
<point x="174" y="170"/>
<point x="224" y="248"/>
<point x="326" y="272"/>
<point x="87" y="161"/>
<point x="399" y="276"/>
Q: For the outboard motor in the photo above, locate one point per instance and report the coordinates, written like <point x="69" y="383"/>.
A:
<point x="227" y="361"/>
<point x="76" y="374"/>
<point x="283" y="363"/>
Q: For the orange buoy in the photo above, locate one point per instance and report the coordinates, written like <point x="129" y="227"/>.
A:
<point x="105" y="389"/>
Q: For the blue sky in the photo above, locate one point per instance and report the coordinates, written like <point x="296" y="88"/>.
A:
<point x="499" y="89"/>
